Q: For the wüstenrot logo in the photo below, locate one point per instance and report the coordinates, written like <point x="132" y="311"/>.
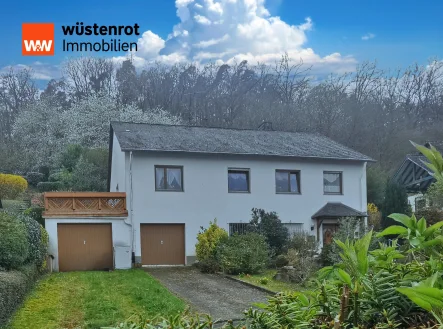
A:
<point x="38" y="39"/>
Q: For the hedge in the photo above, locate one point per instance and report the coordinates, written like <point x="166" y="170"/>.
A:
<point x="14" y="245"/>
<point x="49" y="186"/>
<point x="14" y="285"/>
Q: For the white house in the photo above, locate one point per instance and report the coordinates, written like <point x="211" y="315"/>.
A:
<point x="179" y="178"/>
<point x="166" y="182"/>
<point x="416" y="177"/>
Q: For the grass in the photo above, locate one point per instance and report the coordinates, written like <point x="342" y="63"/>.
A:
<point x="93" y="300"/>
<point x="273" y="285"/>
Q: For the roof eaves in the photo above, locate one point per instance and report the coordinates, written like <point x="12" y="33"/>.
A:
<point x="127" y="149"/>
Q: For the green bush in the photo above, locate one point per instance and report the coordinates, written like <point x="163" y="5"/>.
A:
<point x="49" y="186"/>
<point x="270" y="225"/>
<point x="34" y="178"/>
<point x="206" y="248"/>
<point x="186" y="320"/>
<point x="246" y="253"/>
<point x="281" y="261"/>
<point x="38" y="247"/>
<point x="36" y="213"/>
<point x="14" y="246"/>
<point x="14" y="286"/>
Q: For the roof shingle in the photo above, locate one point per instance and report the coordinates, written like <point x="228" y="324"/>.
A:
<point x="168" y="138"/>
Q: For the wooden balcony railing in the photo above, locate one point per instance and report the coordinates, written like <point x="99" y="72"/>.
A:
<point x="85" y="204"/>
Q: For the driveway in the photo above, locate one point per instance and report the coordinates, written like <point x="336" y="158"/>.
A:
<point x="222" y="298"/>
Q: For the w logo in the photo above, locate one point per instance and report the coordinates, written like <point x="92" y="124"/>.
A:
<point x="38" y="39"/>
<point x="38" y="45"/>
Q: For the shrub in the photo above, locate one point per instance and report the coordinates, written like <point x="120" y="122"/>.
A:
<point x="36" y="213"/>
<point x="14" y="246"/>
<point x="14" y="286"/>
<point x="263" y="281"/>
<point x="38" y="246"/>
<point x="11" y="186"/>
<point x="247" y="253"/>
<point x="34" y="178"/>
<point x="186" y="320"/>
<point x="270" y="225"/>
<point x="432" y="214"/>
<point x="281" y="261"/>
<point x="49" y="186"/>
<point x="208" y="240"/>
<point x="304" y="264"/>
<point x="304" y="243"/>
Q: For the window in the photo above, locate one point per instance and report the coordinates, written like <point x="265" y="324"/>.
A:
<point x="287" y="181"/>
<point x="238" y="180"/>
<point x="169" y="178"/>
<point x="332" y="182"/>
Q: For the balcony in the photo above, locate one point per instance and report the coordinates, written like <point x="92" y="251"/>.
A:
<point x="85" y="204"/>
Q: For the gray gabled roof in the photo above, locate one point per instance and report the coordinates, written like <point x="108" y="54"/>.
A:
<point x="337" y="210"/>
<point x="178" y="138"/>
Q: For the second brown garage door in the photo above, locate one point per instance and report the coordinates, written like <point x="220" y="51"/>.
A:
<point x="163" y="244"/>
<point x="84" y="247"/>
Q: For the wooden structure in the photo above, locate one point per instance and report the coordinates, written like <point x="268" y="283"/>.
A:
<point x="163" y="244"/>
<point x="85" y="247"/>
<point x="85" y="204"/>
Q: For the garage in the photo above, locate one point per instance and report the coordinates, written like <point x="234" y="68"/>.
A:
<point x="84" y="247"/>
<point x="162" y="244"/>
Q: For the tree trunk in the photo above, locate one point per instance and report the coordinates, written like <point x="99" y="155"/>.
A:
<point x="1" y="205"/>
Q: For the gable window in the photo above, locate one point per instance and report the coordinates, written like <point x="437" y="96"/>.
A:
<point x="169" y="178"/>
<point x="287" y="181"/>
<point x="333" y="182"/>
<point x="238" y="180"/>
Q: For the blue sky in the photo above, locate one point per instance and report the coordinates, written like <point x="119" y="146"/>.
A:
<point x="329" y="35"/>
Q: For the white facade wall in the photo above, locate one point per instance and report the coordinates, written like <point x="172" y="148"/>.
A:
<point x="205" y="196"/>
<point x="118" y="168"/>
<point x="121" y="235"/>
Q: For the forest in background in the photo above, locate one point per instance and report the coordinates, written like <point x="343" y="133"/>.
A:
<point x="371" y="110"/>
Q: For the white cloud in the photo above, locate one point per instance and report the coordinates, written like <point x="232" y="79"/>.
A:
<point x="40" y="71"/>
<point x="224" y="31"/>
<point x="368" y="36"/>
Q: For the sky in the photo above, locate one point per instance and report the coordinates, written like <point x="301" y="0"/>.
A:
<point x="332" y="36"/>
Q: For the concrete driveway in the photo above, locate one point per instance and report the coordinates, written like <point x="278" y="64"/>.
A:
<point x="213" y="294"/>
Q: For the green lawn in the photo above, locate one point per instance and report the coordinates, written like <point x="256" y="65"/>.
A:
<point x="272" y="285"/>
<point x="93" y="300"/>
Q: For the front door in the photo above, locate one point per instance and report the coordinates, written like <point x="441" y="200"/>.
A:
<point x="328" y="233"/>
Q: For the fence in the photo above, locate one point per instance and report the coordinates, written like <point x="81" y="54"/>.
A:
<point x="94" y="204"/>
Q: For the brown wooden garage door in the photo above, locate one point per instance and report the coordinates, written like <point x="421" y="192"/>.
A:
<point x="163" y="244"/>
<point x="83" y="247"/>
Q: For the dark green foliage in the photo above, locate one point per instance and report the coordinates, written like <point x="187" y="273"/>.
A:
<point x="432" y="214"/>
<point x="88" y="176"/>
<point x="38" y="250"/>
<point x="81" y="169"/>
<point x="14" y="286"/>
<point x="34" y="178"/>
<point x="49" y="186"/>
<point x="14" y="246"/>
<point x="270" y="225"/>
<point x="281" y="260"/>
<point x="69" y="157"/>
<point x="36" y="214"/>
<point x="246" y="253"/>
<point x="396" y="201"/>
<point x="376" y="184"/>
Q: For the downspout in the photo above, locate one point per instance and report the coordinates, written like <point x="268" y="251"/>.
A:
<point x="131" y="210"/>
